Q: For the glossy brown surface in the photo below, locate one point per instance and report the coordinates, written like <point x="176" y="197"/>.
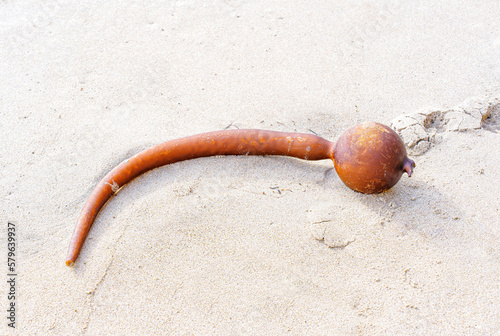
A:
<point x="371" y="158"/>
<point x="228" y="142"/>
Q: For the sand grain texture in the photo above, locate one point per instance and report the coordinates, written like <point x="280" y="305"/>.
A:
<point x="250" y="245"/>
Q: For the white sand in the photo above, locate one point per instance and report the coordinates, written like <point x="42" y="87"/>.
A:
<point x="208" y="247"/>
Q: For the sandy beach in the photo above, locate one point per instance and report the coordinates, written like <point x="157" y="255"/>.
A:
<point x="249" y="245"/>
